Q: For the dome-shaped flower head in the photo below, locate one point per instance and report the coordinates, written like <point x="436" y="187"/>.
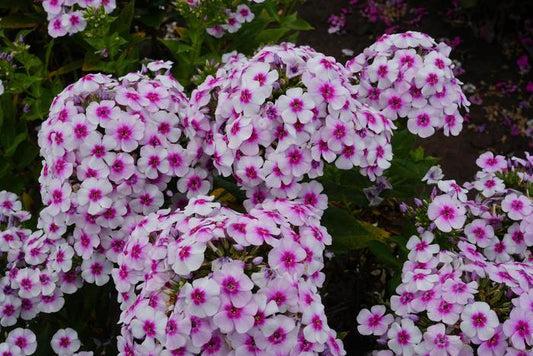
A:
<point x="409" y="75"/>
<point x="280" y="113"/>
<point x="196" y="281"/>
<point x="111" y="147"/>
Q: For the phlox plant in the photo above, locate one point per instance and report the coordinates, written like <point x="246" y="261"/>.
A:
<point x="46" y="45"/>
<point x="111" y="151"/>
<point x="466" y="286"/>
<point x="35" y="281"/>
<point x="272" y="121"/>
<point x="409" y="76"/>
<point x="198" y="277"/>
<point x="240" y="284"/>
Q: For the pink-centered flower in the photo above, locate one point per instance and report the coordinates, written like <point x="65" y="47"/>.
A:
<point x="479" y="320"/>
<point x="447" y="213"/>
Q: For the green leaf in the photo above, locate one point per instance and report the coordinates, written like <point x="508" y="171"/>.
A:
<point x="417" y="154"/>
<point x="67" y="68"/>
<point x="18" y="20"/>
<point x="123" y="22"/>
<point x="384" y="253"/>
<point x="271" y="8"/>
<point x="1" y="116"/>
<point x="16" y="142"/>
<point x="229" y="186"/>
<point x="176" y="46"/>
<point x="271" y="35"/>
<point x="347" y="232"/>
<point x="294" y="23"/>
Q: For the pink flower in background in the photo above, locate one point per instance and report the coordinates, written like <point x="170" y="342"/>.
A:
<point x="65" y="342"/>
<point x="22" y="341"/>
<point x="490" y="163"/>
<point x="374" y="321"/>
<point x="523" y="64"/>
<point x="517" y="207"/>
<point x="447" y="213"/>
<point x="437" y="342"/>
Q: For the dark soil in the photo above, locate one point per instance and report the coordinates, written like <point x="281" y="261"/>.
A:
<point x="356" y="280"/>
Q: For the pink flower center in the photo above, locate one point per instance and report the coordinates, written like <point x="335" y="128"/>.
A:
<point x="289" y="260"/>
<point x="149" y="328"/>
<point x="441" y="341"/>
<point x="523" y="329"/>
<point x="64" y="342"/>
<point x="422" y="120"/>
<point x="198" y="296"/>
<point x="447" y="212"/>
<point x="327" y="91"/>
<point x="382" y="71"/>
<point x="277" y="336"/>
<point x="146" y="200"/>
<point x="421" y="246"/>
<point x="124" y="132"/>
<point x="517" y="205"/>
<point x="152" y="96"/>
<point x="296" y="105"/>
<point x="95" y="195"/>
<point x="194" y="183"/>
<point x="395" y="102"/>
<point x="246" y="96"/>
<point x="374" y="320"/>
<point x="103" y="112"/>
<point x="479" y="320"/>
<point x="432" y="79"/>
<point x="403" y="337"/>
<point x="171" y="328"/>
<point x="96" y="269"/>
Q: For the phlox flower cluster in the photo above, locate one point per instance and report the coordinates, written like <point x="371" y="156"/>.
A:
<point x="21" y="342"/>
<point x="67" y="16"/>
<point x="111" y="150"/>
<point x="475" y="297"/>
<point x="36" y="279"/>
<point x="409" y="76"/>
<point x="27" y="286"/>
<point x="499" y="219"/>
<point x="455" y="303"/>
<point x="274" y="119"/>
<point x="235" y="18"/>
<point x="35" y="275"/>
<point x="208" y="280"/>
